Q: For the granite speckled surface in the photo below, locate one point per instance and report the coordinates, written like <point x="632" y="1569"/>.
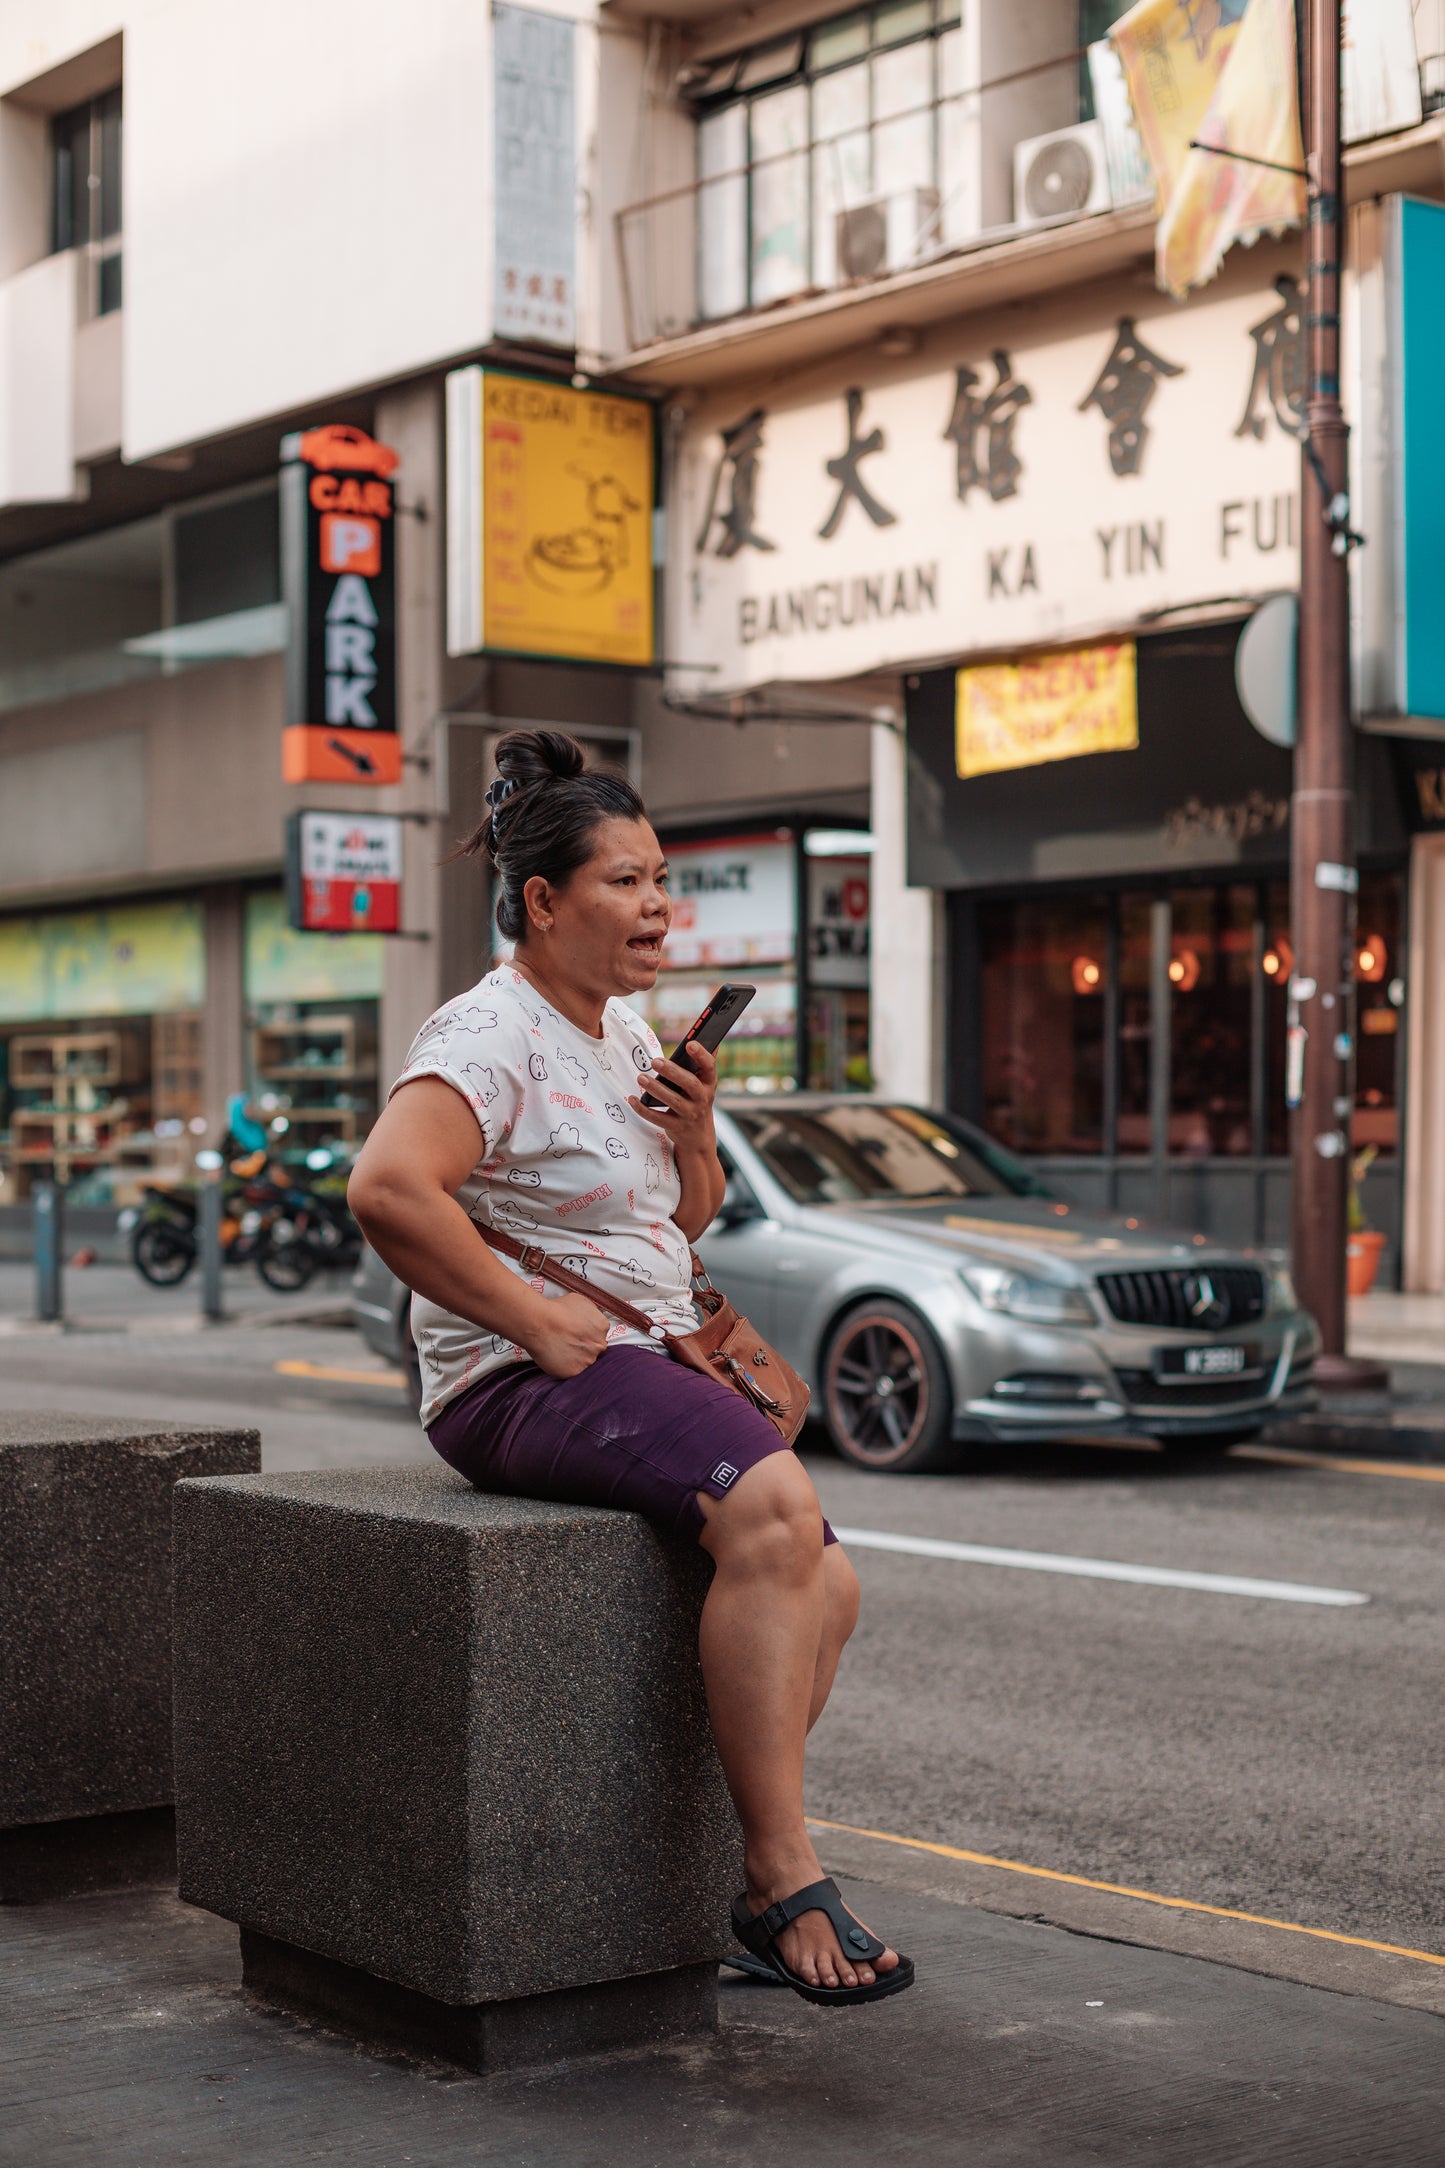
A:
<point x="456" y="1740"/>
<point x="85" y="1607"/>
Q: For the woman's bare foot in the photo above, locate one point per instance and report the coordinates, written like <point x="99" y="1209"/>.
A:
<point x="809" y="1946"/>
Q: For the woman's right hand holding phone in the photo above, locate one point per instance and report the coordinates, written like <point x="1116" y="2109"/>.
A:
<point x="568" y="1337"/>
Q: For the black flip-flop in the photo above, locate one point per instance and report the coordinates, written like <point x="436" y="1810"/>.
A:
<point x="759" y="1933"/>
<point x="753" y="1968"/>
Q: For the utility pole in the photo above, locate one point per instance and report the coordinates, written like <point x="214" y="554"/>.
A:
<point x="1324" y="878"/>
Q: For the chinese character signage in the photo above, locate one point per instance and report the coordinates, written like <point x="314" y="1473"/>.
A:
<point x="343" y="872"/>
<point x="339" y="580"/>
<point x="1055" y="707"/>
<point x="550" y="504"/>
<point x="1043" y="479"/>
<point x="535" y="164"/>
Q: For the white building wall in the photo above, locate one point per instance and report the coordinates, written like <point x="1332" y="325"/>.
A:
<point x="37" y="383"/>
<point x="307" y="193"/>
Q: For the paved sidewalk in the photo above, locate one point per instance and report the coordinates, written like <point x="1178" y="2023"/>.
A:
<point x="127" y="2045"/>
<point x="1399" y="1328"/>
<point x="114" y="1298"/>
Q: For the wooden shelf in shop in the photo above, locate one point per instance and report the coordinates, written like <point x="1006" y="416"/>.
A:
<point x="323" y="1070"/>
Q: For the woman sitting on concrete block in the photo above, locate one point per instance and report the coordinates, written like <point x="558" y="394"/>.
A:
<point x="520" y="1113"/>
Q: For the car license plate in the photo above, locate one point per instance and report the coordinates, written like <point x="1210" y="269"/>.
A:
<point x="1207" y="1362"/>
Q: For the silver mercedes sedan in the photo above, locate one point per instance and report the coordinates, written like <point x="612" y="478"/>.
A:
<point x="934" y="1293"/>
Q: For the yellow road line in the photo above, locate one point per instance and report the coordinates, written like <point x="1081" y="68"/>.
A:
<point x="1117" y="1889"/>
<point x="1287" y="1456"/>
<point x="341" y="1377"/>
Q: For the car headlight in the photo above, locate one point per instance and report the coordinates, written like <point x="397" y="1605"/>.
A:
<point x="1282" y="1295"/>
<point x="1035" y="1302"/>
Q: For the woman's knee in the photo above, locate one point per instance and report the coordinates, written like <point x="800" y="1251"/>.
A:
<point x="770" y="1519"/>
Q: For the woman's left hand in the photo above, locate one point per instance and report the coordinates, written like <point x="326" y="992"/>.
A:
<point x="687" y="1098"/>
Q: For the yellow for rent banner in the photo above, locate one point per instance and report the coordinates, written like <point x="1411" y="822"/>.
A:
<point x="1056" y="707"/>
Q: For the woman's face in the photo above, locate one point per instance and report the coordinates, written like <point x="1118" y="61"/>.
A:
<point x="609" y="922"/>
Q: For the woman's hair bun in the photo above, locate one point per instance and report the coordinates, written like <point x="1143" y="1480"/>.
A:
<point x="525" y="757"/>
<point x="542" y="816"/>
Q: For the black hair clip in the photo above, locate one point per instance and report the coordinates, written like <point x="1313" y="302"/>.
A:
<point x="497" y="795"/>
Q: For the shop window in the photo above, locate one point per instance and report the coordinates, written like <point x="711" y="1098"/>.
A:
<point x="1044" y="971"/>
<point x="1211" y="975"/>
<point x="1136" y="1024"/>
<point x="227" y="556"/>
<point x="101" y="611"/>
<point x="85" y="192"/>
<point x="1225" y="953"/>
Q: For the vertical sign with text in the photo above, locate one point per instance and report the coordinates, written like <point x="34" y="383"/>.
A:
<point x="339" y="580"/>
<point x="535" y="177"/>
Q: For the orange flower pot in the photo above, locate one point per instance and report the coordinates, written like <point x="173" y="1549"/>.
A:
<point x="1362" y="1260"/>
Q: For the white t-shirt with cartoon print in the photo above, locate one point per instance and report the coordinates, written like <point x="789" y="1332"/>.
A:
<point x="565" y="1164"/>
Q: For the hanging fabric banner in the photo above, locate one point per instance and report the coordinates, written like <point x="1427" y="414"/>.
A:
<point x="1055" y="707"/>
<point x="1220" y="199"/>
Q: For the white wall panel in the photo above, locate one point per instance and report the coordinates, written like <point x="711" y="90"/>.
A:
<point x="37" y="383"/>
<point x="307" y="193"/>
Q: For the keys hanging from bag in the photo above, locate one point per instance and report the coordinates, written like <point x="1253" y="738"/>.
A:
<point x="725" y="1346"/>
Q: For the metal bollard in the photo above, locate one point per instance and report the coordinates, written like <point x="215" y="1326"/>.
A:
<point x="47" y="1215"/>
<point x="208" y="1235"/>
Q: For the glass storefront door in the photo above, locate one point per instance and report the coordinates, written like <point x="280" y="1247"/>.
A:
<point x="1135" y="1039"/>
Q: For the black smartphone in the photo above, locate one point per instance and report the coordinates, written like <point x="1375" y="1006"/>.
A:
<point x="711" y="1028"/>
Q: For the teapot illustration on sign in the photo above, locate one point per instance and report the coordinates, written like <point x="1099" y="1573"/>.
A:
<point x="583" y="560"/>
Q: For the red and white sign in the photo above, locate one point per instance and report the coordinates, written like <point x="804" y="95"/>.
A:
<point x="733" y="902"/>
<point x="344" y="872"/>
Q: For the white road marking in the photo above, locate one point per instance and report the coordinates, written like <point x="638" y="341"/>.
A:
<point x="1097" y="1569"/>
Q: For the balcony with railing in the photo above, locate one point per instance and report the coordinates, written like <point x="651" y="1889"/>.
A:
<point x="901" y="142"/>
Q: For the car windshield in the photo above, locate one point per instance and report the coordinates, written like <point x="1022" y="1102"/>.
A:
<point x="858" y="1151"/>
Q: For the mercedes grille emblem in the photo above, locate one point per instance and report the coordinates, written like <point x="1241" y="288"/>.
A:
<point x="1208" y="1304"/>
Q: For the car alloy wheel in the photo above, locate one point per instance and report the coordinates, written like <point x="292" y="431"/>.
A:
<point x="885" y="1390"/>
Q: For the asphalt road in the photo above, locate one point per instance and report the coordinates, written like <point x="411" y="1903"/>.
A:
<point x="1273" y="1756"/>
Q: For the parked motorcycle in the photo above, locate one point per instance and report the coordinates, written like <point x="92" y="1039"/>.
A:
<point x="311" y="1232"/>
<point x="164" y="1233"/>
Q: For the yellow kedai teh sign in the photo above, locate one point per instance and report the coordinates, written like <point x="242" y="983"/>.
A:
<point x="1056" y="707"/>
<point x="567" y="493"/>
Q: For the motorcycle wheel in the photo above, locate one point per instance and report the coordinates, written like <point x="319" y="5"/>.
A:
<point x="286" y="1266"/>
<point x="161" y="1253"/>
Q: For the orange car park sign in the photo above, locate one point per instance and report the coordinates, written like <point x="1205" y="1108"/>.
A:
<point x="338" y="572"/>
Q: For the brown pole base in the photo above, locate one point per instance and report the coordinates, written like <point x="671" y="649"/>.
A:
<point x="1350" y="1374"/>
<point x="41" y="1860"/>
<point x="652" y="2010"/>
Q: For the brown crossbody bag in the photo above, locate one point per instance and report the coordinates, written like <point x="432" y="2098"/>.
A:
<point x="725" y="1346"/>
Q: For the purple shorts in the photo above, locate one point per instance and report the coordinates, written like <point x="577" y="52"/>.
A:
<point x="635" y="1430"/>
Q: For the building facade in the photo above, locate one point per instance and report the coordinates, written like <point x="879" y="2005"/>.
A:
<point x="928" y="452"/>
<point x="944" y="450"/>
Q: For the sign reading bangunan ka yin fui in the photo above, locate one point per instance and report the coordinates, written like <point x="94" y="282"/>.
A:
<point x="343" y="872"/>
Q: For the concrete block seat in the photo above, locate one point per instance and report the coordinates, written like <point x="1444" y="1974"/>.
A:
<point x="85" y="1645"/>
<point x="445" y="1760"/>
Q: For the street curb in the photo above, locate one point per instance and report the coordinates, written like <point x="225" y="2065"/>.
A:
<point x="1278" y="1952"/>
<point x="1407" y="1435"/>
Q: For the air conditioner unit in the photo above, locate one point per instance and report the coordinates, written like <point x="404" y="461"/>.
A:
<point x="1063" y="175"/>
<point x="887" y="234"/>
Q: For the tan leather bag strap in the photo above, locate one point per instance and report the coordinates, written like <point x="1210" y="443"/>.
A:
<point x="537" y="1263"/>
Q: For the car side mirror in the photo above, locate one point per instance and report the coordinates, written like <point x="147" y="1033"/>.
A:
<point x="738" y="1206"/>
